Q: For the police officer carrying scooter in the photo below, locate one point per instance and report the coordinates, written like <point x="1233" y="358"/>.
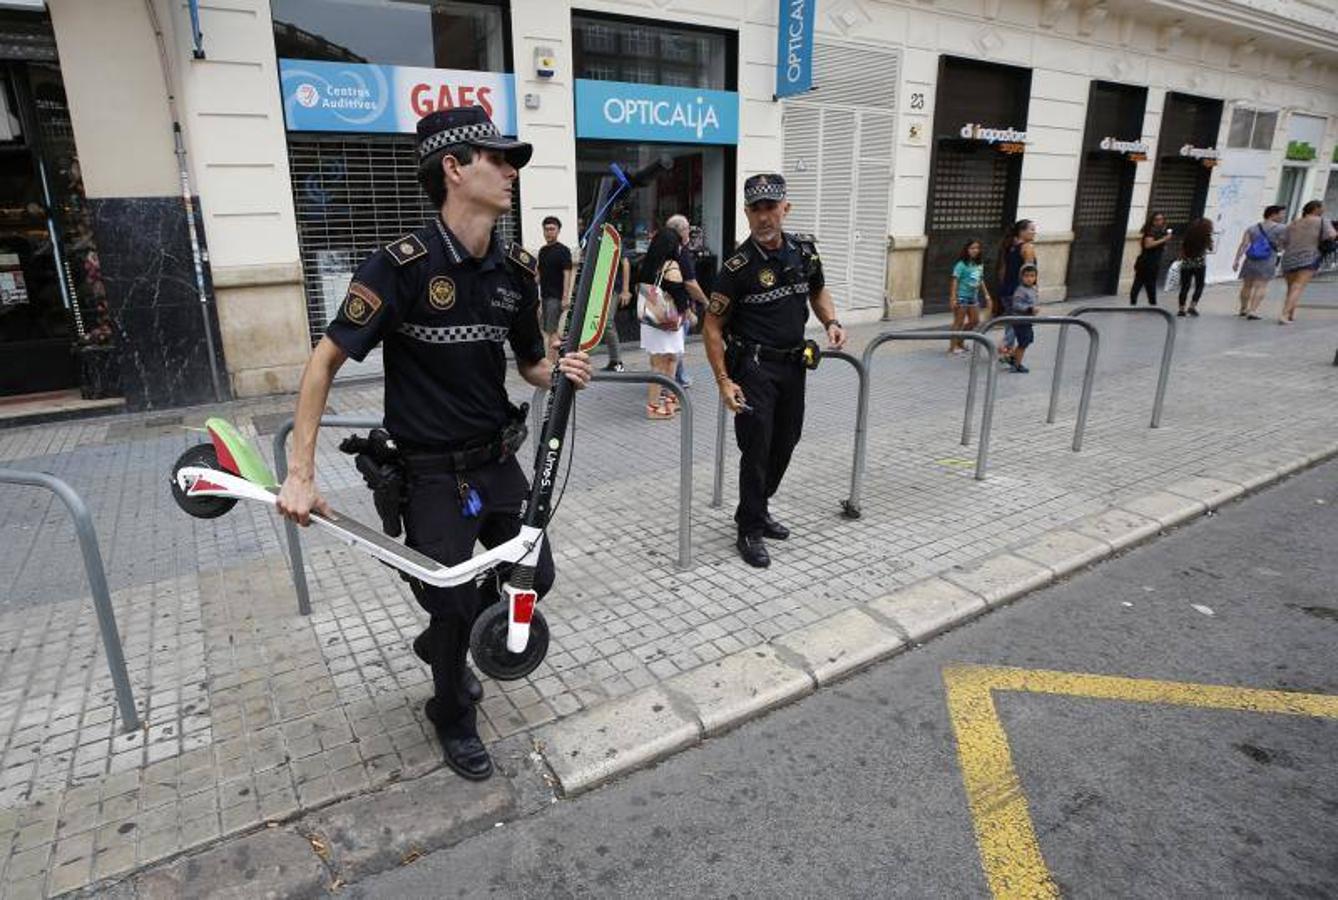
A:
<point x="443" y="300"/>
<point x="754" y="335"/>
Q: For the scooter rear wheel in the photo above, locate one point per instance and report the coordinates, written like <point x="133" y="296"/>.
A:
<point x="203" y="456"/>
<point x="487" y="641"/>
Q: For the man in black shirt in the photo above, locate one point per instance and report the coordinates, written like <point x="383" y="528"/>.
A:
<point x="443" y="300"/>
<point x="754" y="336"/>
<point x="555" y="277"/>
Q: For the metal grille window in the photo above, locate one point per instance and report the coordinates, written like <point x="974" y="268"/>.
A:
<point x="970" y="190"/>
<point x="352" y="196"/>
<point x="1101" y="193"/>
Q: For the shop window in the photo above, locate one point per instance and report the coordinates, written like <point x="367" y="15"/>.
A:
<point x="436" y="34"/>
<point x="650" y="54"/>
<point x="1252" y="129"/>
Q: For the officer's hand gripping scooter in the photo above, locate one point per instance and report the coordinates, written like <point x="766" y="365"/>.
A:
<point x="510" y="637"/>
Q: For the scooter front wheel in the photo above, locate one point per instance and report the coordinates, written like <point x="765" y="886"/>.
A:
<point x="203" y="456"/>
<point x="487" y="641"/>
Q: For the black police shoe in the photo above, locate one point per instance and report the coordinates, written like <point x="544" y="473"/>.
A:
<point x="473" y="687"/>
<point x="462" y="749"/>
<point x="753" y="551"/>
<point x="774" y="530"/>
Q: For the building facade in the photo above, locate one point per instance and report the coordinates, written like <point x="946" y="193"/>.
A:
<point x="182" y="269"/>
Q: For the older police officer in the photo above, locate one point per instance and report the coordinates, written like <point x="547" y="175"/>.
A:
<point x="754" y="334"/>
<point x="443" y="300"/>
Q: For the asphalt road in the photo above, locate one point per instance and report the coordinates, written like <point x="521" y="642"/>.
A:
<point x="858" y="790"/>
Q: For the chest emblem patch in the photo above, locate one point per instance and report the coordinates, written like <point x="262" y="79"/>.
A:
<point x="767" y="277"/>
<point x="441" y="293"/>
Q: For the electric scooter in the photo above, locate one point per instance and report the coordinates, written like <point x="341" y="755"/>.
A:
<point x="509" y="638"/>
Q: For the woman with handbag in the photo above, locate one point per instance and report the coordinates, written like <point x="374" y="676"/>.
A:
<point x="1307" y="241"/>
<point x="662" y="305"/>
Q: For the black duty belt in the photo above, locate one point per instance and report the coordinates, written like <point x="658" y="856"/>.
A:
<point x="808" y="354"/>
<point x="428" y="461"/>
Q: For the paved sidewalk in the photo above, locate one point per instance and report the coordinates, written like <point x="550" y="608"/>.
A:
<point x="254" y="713"/>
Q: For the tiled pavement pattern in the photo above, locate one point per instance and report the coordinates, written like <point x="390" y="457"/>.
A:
<point x="253" y="713"/>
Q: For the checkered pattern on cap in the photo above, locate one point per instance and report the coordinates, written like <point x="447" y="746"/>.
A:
<point x="463" y="134"/>
<point x="763" y="187"/>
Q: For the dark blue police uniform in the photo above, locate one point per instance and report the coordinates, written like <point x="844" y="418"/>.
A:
<point x="763" y="297"/>
<point x="443" y="317"/>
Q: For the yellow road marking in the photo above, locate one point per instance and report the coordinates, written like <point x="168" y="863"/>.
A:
<point x="1009" y="851"/>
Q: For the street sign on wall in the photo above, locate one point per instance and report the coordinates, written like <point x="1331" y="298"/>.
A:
<point x="794" y="47"/>
<point x="333" y="96"/>
<point x="616" y="110"/>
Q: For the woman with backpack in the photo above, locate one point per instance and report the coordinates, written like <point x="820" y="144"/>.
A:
<point x="1307" y="241"/>
<point x="1259" y="248"/>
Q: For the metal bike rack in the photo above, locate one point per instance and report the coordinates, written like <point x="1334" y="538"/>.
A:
<point x="851" y="506"/>
<point x="1167" y="351"/>
<point x="1093" y="345"/>
<point x="289" y="527"/>
<point x="684" y="451"/>
<point x="97" y="583"/>
<point x="722" y="417"/>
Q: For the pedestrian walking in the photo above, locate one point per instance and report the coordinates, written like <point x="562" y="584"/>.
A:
<point x="687" y="264"/>
<point x="1147" y="267"/>
<point x="662" y="337"/>
<point x="1194" y="250"/>
<point x="1023" y="303"/>
<point x="1015" y="250"/>
<point x="1305" y="244"/>
<point x="622" y="298"/>
<point x="754" y="335"/>
<point x="443" y="300"/>
<point x="1258" y="251"/>
<point x="966" y="292"/>
<point x="556" y="276"/>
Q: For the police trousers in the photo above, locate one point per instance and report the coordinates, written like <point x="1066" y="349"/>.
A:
<point x="435" y="525"/>
<point x="767" y="436"/>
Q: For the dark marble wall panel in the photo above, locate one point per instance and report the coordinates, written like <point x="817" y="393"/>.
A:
<point x="144" y="247"/>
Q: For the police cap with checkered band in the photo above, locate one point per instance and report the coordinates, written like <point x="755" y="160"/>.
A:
<point x="767" y="186"/>
<point x="467" y="125"/>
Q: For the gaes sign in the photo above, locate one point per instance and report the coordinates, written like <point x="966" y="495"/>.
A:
<point x="327" y="96"/>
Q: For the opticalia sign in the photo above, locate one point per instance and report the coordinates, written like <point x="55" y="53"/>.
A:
<point x="618" y="110"/>
<point x="1005" y="140"/>
<point x="327" y="96"/>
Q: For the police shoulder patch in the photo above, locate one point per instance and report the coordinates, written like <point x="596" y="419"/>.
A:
<point x="361" y="303"/>
<point x="736" y="262"/>
<point x="719" y="304"/>
<point x="522" y="257"/>
<point x="406" y="249"/>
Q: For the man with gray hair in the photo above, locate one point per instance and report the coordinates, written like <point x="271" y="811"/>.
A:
<point x="687" y="265"/>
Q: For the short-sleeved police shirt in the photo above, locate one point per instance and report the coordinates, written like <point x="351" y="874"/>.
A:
<point x="443" y="317"/>
<point x="763" y="294"/>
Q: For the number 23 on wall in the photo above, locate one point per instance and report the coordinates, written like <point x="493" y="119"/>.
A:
<point x="917" y="100"/>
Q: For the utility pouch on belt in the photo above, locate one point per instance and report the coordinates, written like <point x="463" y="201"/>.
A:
<point x="811" y="355"/>
<point x="378" y="459"/>
<point x="516" y="430"/>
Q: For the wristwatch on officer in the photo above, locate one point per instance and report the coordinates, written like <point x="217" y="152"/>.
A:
<point x="830" y="322"/>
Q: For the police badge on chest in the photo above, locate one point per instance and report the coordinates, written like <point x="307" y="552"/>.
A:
<point x="504" y="298"/>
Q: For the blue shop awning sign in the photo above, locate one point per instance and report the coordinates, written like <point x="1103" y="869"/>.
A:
<point x="617" y="110"/>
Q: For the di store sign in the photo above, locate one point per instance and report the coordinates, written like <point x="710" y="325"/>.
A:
<point x="615" y="110"/>
<point x="326" y="96"/>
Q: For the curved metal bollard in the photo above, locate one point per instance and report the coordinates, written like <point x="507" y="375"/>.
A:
<point x="722" y="417"/>
<point x="290" y="529"/>
<point x="1167" y="351"/>
<point x="852" y="505"/>
<point x="1093" y="345"/>
<point x="97" y="584"/>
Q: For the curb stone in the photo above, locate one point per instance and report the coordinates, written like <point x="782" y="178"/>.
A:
<point x="841" y="645"/>
<point x="740" y="686"/>
<point x="1000" y="577"/>
<point x="1117" y="527"/>
<point x="929" y="607"/>
<point x="1063" y="550"/>
<point x="1211" y="491"/>
<point x="1166" y="509"/>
